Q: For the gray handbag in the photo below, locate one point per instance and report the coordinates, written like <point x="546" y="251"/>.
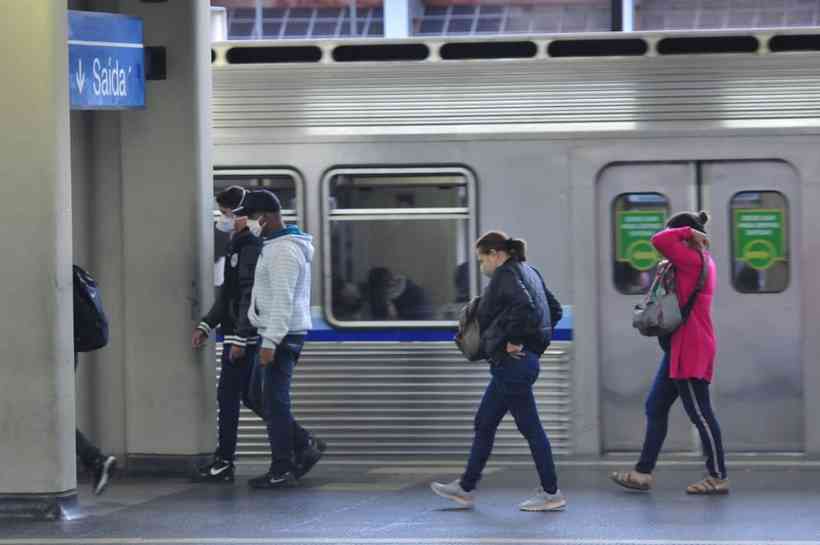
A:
<point x="468" y="338"/>
<point x="659" y="314"/>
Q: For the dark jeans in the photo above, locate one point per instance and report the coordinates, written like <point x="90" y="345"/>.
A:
<point x="87" y="452"/>
<point x="284" y="433"/>
<point x="694" y="394"/>
<point x="234" y="387"/>
<point x="511" y="390"/>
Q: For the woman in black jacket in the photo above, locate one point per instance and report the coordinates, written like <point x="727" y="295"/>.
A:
<point x="515" y="316"/>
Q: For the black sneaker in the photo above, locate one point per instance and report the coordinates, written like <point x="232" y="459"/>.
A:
<point x="102" y="473"/>
<point x="310" y="457"/>
<point x="218" y="471"/>
<point x="272" y="480"/>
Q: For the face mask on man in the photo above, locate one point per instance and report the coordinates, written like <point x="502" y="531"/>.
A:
<point x="255" y="227"/>
<point x="225" y="223"/>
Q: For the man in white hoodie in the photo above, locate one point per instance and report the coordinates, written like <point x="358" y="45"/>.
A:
<point x="280" y="311"/>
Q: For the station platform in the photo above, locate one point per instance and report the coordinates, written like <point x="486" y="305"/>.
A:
<point x="770" y="504"/>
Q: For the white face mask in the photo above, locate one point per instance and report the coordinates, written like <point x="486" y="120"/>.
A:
<point x="225" y="223"/>
<point x="485" y="265"/>
<point x="255" y="227"/>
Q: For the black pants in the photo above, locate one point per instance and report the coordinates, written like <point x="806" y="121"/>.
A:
<point x="87" y="452"/>
<point x="233" y="389"/>
<point x="694" y="394"/>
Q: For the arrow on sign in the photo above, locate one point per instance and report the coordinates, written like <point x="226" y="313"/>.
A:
<point x="79" y="77"/>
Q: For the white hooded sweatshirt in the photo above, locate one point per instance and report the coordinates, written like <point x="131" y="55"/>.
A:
<point x="280" y="301"/>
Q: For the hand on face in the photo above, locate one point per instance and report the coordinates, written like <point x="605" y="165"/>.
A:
<point x="699" y="240"/>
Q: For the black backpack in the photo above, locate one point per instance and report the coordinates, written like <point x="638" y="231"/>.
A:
<point x="90" y="322"/>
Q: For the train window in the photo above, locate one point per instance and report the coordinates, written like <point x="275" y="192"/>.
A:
<point x="399" y="249"/>
<point x="352" y="192"/>
<point x="760" y="242"/>
<point x="284" y="182"/>
<point x="635" y="218"/>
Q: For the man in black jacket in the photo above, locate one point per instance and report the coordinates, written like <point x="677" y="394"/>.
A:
<point x="230" y="312"/>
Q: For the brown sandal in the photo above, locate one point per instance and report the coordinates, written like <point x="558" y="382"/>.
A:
<point x="633" y="480"/>
<point x="710" y="486"/>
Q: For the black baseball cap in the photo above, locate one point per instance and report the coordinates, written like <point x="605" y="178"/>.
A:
<point x="259" y="201"/>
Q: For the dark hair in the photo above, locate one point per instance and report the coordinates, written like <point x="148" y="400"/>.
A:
<point x="689" y="219"/>
<point x="231" y="197"/>
<point x="500" y="242"/>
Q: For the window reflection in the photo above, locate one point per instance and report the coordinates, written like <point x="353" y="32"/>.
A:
<point x="760" y="242"/>
<point x="399" y="246"/>
<point x="635" y="218"/>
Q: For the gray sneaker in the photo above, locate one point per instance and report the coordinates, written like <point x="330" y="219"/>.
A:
<point x="544" y="502"/>
<point x="453" y="491"/>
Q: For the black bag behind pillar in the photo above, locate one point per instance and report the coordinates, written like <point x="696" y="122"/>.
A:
<point x="90" y="321"/>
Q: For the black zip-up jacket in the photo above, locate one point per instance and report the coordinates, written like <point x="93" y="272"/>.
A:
<point x="230" y="310"/>
<point x="516" y="307"/>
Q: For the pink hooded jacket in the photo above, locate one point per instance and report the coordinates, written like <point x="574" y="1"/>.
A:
<point x="693" y="345"/>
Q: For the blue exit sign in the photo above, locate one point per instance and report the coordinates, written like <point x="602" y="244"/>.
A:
<point x="106" y="64"/>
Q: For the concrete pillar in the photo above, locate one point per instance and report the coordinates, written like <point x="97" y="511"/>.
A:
<point x="167" y="246"/>
<point x="104" y="369"/>
<point x="82" y="225"/>
<point x="398" y="17"/>
<point x="628" y="15"/>
<point x="96" y="175"/>
<point x="38" y="474"/>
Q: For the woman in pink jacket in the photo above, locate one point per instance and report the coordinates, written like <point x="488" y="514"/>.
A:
<point x="688" y="362"/>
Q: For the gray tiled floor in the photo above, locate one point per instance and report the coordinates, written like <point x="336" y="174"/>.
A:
<point x="338" y="504"/>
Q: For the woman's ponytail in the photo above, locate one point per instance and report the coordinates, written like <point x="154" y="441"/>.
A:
<point x="517" y="249"/>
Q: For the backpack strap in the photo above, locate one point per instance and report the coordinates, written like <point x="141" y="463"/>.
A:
<point x="555" y="309"/>
<point x="523" y="281"/>
<point x="698" y="288"/>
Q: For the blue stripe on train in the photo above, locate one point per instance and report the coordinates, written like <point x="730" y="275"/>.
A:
<point x="324" y="332"/>
<point x="400" y="335"/>
<point x="397" y="335"/>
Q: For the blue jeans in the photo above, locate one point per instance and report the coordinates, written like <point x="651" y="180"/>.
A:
<point x="511" y="390"/>
<point x="284" y="433"/>
<point x="694" y="394"/>
<point x="233" y="388"/>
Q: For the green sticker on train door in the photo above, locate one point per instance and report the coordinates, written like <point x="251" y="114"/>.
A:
<point x="760" y="237"/>
<point x="634" y="231"/>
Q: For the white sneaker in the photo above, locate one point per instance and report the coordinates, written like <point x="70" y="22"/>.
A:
<point x="453" y="491"/>
<point x="544" y="502"/>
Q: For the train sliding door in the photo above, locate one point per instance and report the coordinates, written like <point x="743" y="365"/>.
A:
<point x="758" y="386"/>
<point x="634" y="201"/>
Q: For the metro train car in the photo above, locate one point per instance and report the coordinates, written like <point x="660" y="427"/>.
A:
<point x="397" y="155"/>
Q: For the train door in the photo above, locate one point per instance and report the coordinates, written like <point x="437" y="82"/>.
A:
<point x="758" y="385"/>
<point x="634" y="201"/>
<point x="758" y="391"/>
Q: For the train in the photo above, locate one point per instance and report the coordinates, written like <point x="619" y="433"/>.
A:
<point x="397" y="155"/>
